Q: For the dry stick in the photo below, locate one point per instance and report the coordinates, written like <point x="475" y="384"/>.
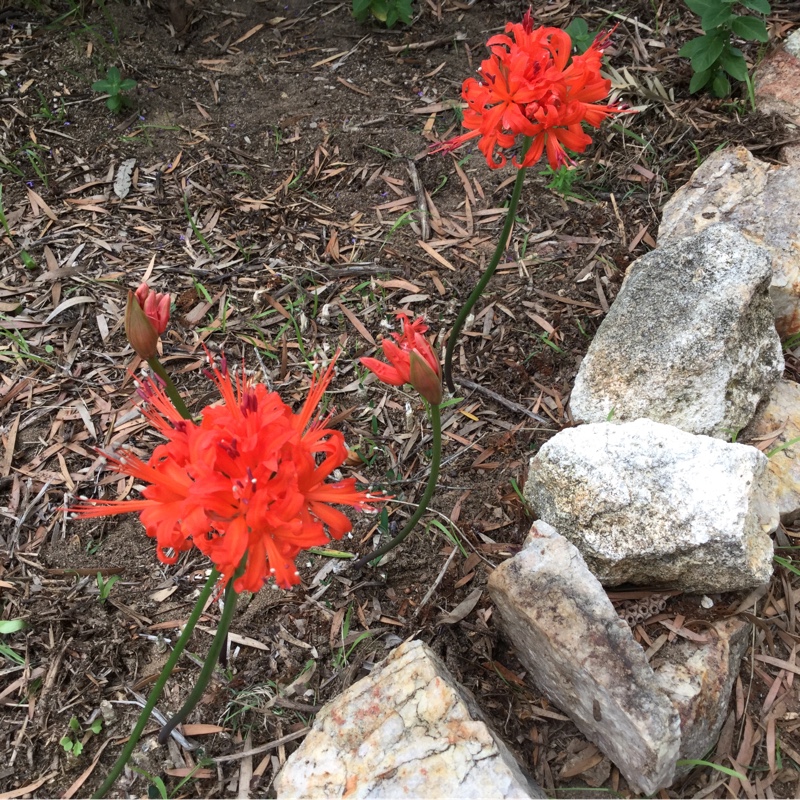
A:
<point x="422" y="203"/>
<point x="264" y="747"/>
<point x="498" y="398"/>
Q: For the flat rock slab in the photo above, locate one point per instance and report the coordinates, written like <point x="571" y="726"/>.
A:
<point x="689" y="341"/>
<point x="648" y="504"/>
<point x="584" y="657"/>
<point x="408" y="730"/>
<point x="778" y="426"/>
<point x="760" y="200"/>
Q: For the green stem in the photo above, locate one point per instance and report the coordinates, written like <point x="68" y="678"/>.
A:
<point x="490" y="270"/>
<point x="210" y="662"/>
<point x="436" y="457"/>
<point x="169" y="386"/>
<point x="158" y="687"/>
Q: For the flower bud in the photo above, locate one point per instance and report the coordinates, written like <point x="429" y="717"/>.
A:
<point x="155" y="305"/>
<point x="142" y="336"/>
<point x="425" y="379"/>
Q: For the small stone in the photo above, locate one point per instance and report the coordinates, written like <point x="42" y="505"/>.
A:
<point x="706" y="602"/>
<point x="778" y="424"/>
<point x="108" y="712"/>
<point x="648" y="504"/>
<point x="406" y="730"/>
<point x="584" y="658"/>
<point x="699" y="679"/>
<point x="760" y="200"/>
<point x="690" y="340"/>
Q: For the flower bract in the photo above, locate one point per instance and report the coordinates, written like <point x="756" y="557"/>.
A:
<point x="250" y="476"/>
<point x="529" y="88"/>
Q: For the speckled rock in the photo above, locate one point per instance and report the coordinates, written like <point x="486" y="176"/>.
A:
<point x="408" y="730"/>
<point x="698" y="677"/>
<point x="689" y="341"/>
<point x="649" y="504"/>
<point x="760" y="200"/>
<point x="778" y="425"/>
<point x="777" y="80"/>
<point x="584" y="657"/>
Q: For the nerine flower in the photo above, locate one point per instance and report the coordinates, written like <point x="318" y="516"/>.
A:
<point x="250" y="476"/>
<point x="411" y="360"/>
<point x="529" y="87"/>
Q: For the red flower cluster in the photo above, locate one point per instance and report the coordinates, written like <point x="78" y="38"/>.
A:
<point x="411" y="360"/>
<point x="529" y="87"/>
<point x="249" y="477"/>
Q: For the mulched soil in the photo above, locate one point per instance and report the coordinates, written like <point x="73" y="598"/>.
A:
<point x="280" y="165"/>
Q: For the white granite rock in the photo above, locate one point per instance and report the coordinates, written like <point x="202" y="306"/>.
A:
<point x="699" y="678"/>
<point x="760" y="200"/>
<point x="689" y="341"/>
<point x="778" y="424"/>
<point x="408" y="730"/>
<point x="777" y="80"/>
<point x="584" y="657"/>
<point x="647" y="503"/>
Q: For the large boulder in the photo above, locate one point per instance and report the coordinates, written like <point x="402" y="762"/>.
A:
<point x="646" y="503"/>
<point x="407" y="730"/>
<point x="777" y="80"/>
<point x="760" y="200"/>
<point x="689" y="341"/>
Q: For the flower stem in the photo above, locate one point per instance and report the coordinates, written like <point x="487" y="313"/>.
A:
<point x="436" y="457"/>
<point x="487" y="275"/>
<point x="169" y="386"/>
<point x="158" y="687"/>
<point x="210" y="662"/>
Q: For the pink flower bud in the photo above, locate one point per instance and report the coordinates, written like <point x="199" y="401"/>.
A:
<point x="146" y="318"/>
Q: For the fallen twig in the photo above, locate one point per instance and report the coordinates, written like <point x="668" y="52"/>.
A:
<point x="498" y="398"/>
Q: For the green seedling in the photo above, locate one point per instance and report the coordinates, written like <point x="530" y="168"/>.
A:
<point x="697" y="762"/>
<point x="114" y="85"/>
<point x="196" y="230"/>
<point x="714" y="59"/>
<point x="342" y="655"/>
<point x="389" y="12"/>
<point x="580" y="34"/>
<point x="8" y="626"/>
<point x="73" y="741"/>
<point x="105" y="586"/>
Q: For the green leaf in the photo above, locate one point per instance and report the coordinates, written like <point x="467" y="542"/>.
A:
<point x="715" y="17"/>
<point x="27" y="260"/>
<point x="578" y="28"/>
<point x="404" y="11"/>
<point x="720" y="85"/>
<point x="127" y="85"/>
<point x="66" y="743"/>
<point x="77" y="749"/>
<point x="392" y="17"/>
<point x="101" y="86"/>
<point x="701" y="7"/>
<point x="761" y="6"/>
<point x="750" y="28"/>
<point x="114" y="103"/>
<point x="693" y="47"/>
<point x="361" y="9"/>
<point x="113" y="76"/>
<point x="96" y="726"/>
<point x="11" y="625"/>
<point x="714" y="45"/>
<point x="699" y="80"/>
<point x="696" y="762"/>
<point x="734" y="64"/>
<point x="75" y="725"/>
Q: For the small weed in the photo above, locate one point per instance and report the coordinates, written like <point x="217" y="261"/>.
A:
<point x="74" y="739"/>
<point x="697" y="762"/>
<point x="105" y="586"/>
<point x="114" y="85"/>
<point x="580" y="34"/>
<point x="9" y="626"/>
<point x="342" y="655"/>
<point x="197" y="233"/>
<point x="562" y="181"/>
<point x="389" y="12"/>
<point x="450" y="535"/>
<point x="3" y="218"/>
<point x="526" y="506"/>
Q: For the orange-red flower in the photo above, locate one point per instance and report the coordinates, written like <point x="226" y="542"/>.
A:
<point x="250" y="476"/>
<point x="411" y="360"/>
<point x="146" y="318"/>
<point x="529" y="88"/>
